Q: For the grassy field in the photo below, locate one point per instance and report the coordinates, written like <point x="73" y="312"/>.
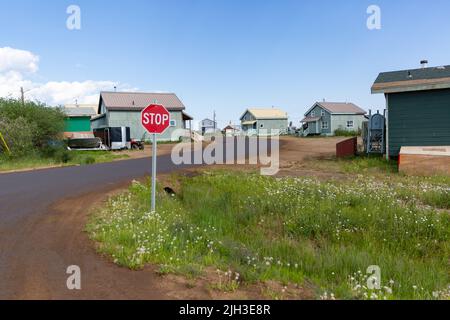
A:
<point x="320" y="234"/>
<point x="73" y="158"/>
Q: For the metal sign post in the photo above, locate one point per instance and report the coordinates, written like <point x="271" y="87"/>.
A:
<point x="155" y="119"/>
<point x="154" y="150"/>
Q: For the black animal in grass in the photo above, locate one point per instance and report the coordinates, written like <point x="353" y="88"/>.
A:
<point x="169" y="191"/>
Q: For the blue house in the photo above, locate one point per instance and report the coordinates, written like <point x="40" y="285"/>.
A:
<point x="324" y="118"/>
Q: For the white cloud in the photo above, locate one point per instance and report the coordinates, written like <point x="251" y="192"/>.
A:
<point x="17" y="65"/>
<point x="18" y="60"/>
<point x="68" y="92"/>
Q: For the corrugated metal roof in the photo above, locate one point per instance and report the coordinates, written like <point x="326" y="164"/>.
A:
<point x="79" y="111"/>
<point x="341" y="107"/>
<point x="186" y="116"/>
<point x="271" y="113"/>
<point x="415" y="74"/>
<point x="139" y="100"/>
<point x="310" y="119"/>
<point x="412" y="80"/>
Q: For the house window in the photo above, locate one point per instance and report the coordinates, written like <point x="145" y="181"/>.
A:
<point x="322" y="113"/>
<point x="313" y="114"/>
<point x="350" y="124"/>
<point x="173" y="123"/>
<point x="325" y="125"/>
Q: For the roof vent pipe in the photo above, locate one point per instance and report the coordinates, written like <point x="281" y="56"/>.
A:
<point x="424" y="64"/>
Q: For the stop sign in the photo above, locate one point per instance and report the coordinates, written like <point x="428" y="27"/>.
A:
<point x="155" y="118"/>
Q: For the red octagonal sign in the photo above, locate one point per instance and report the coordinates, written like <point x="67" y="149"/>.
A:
<point x="155" y="118"/>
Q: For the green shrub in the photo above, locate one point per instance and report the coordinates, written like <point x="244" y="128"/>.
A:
<point x="62" y="156"/>
<point x="19" y="134"/>
<point x="346" y="133"/>
<point x="88" y="160"/>
<point x="42" y="123"/>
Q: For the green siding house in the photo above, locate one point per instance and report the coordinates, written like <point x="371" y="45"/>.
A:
<point x="264" y="122"/>
<point x="418" y="107"/>
<point x="78" y="119"/>
<point x="123" y="109"/>
<point x="324" y="118"/>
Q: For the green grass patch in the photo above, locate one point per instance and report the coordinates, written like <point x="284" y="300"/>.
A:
<point x="347" y="133"/>
<point x="289" y="230"/>
<point x="31" y="161"/>
<point x="90" y="157"/>
<point x="35" y="160"/>
<point x="368" y="164"/>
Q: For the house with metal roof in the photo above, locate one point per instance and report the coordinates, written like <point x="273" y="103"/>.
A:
<point x="78" y="119"/>
<point x="324" y="118"/>
<point x="257" y="121"/>
<point x="208" y="126"/>
<point x="231" y="130"/>
<point x="418" y="107"/>
<point x="123" y="109"/>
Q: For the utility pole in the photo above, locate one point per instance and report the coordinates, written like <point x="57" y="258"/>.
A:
<point x="22" y="95"/>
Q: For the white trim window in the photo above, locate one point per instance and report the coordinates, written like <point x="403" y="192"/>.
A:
<point x="324" y="125"/>
<point x="350" y="124"/>
<point x="173" y="123"/>
<point x="322" y="113"/>
<point x="313" y="114"/>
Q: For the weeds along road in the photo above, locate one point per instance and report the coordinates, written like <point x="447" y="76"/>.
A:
<point x="42" y="217"/>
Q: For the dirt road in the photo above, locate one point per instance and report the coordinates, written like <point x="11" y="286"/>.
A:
<point x="42" y="217"/>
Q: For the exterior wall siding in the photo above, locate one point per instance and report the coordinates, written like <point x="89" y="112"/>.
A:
<point x="248" y="117"/>
<point x="78" y="124"/>
<point x="317" y="111"/>
<point x="339" y="121"/>
<point x="266" y="124"/>
<point x="99" y="123"/>
<point x="419" y="118"/>
<point x="275" y="124"/>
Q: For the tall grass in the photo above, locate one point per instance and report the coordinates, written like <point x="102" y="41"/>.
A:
<point x="35" y="160"/>
<point x="368" y="164"/>
<point x="289" y="230"/>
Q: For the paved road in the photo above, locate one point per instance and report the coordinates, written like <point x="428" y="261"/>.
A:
<point x="32" y="262"/>
<point x="42" y="215"/>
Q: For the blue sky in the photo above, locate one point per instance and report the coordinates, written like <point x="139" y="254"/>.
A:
<point x="227" y="55"/>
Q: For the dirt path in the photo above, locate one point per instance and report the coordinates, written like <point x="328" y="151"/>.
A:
<point x="59" y="237"/>
<point x="40" y="239"/>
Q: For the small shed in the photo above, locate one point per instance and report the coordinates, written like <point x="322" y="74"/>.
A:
<point x="418" y="107"/>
